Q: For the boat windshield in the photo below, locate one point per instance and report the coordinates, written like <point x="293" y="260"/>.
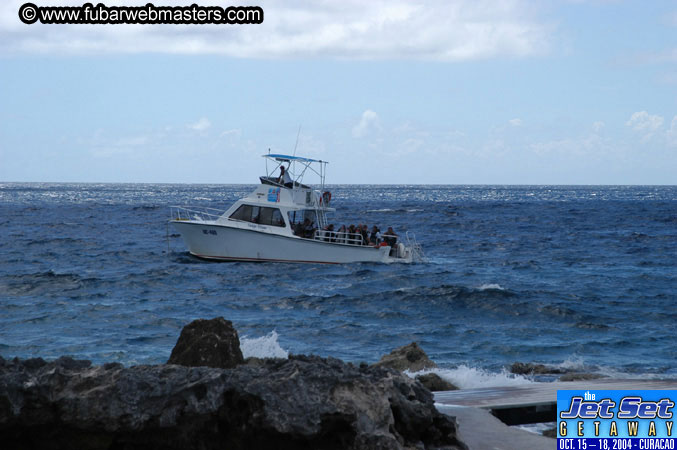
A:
<point x="259" y="214"/>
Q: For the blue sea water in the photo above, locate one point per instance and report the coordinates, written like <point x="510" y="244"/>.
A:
<point x="581" y="277"/>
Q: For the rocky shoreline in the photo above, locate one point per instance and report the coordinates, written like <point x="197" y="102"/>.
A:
<point x="534" y="369"/>
<point x="209" y="397"/>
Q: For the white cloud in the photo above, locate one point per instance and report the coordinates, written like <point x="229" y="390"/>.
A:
<point x="597" y="126"/>
<point x="368" y="122"/>
<point x="200" y="125"/>
<point x="234" y="132"/>
<point x="671" y="134"/>
<point x="645" y="123"/>
<point x="443" y="30"/>
<point x="515" y="122"/>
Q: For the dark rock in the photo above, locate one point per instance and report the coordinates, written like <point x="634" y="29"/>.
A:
<point x="410" y="357"/>
<point x="434" y="382"/>
<point x="210" y="343"/>
<point x="580" y="376"/>
<point x="520" y="368"/>
<point x="303" y="402"/>
<point x="35" y="363"/>
<point x="550" y="432"/>
<point x="112" y="365"/>
<point x="255" y="362"/>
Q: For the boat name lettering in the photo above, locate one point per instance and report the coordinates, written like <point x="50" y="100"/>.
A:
<point x="213" y="232"/>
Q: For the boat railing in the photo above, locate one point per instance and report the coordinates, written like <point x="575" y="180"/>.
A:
<point x="200" y="213"/>
<point x="415" y="248"/>
<point x="338" y="237"/>
<point x="343" y="237"/>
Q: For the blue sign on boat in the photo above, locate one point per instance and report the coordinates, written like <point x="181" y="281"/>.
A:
<point x="274" y="195"/>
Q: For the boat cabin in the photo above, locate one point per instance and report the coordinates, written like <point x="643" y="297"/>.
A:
<point x="284" y="208"/>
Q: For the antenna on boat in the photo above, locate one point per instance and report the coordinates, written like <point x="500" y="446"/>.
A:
<point x="267" y="173"/>
<point x="297" y="140"/>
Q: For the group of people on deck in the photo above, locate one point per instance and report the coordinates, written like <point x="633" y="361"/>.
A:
<point x="359" y="235"/>
<point x="355" y="235"/>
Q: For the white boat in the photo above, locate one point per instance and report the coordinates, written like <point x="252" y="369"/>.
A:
<point x="283" y="222"/>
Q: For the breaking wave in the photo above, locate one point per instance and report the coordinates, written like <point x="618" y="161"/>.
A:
<point x="262" y="347"/>
<point x="487" y="286"/>
<point x="465" y="377"/>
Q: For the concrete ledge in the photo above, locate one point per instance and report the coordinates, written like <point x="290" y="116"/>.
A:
<point x="480" y="430"/>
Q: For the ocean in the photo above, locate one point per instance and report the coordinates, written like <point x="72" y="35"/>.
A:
<point x="577" y="277"/>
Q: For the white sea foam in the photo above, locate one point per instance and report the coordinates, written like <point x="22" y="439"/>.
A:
<point x="537" y="428"/>
<point x="465" y="377"/>
<point x="380" y="210"/>
<point x="262" y="347"/>
<point x="441" y="260"/>
<point x="571" y="364"/>
<point x="487" y="286"/>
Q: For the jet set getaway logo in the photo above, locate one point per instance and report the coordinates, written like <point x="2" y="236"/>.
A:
<point x="615" y="419"/>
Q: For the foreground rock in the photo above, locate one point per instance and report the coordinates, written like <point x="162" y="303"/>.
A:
<point x="410" y="357"/>
<point x="299" y="403"/>
<point x="520" y="368"/>
<point x="210" y="343"/>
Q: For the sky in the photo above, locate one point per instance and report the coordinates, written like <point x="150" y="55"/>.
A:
<point x="387" y="91"/>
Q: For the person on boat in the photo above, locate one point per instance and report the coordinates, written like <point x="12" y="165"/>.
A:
<point x="341" y="235"/>
<point x="390" y="237"/>
<point x="284" y="178"/>
<point x="364" y="231"/>
<point x="329" y="235"/>
<point x="351" y="235"/>
<point x="308" y="229"/>
<point x="298" y="229"/>
<point x="375" y="236"/>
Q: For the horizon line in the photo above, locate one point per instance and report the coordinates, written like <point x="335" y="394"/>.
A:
<point x="340" y="184"/>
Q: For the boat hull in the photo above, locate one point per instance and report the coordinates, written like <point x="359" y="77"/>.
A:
<point x="220" y="242"/>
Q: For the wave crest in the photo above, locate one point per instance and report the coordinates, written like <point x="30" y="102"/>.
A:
<point x="465" y="377"/>
<point x="262" y="347"/>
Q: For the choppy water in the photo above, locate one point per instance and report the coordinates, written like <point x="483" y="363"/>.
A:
<point x="580" y="277"/>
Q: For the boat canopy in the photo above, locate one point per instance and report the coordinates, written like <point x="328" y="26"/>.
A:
<point x="296" y="168"/>
<point x="289" y="158"/>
